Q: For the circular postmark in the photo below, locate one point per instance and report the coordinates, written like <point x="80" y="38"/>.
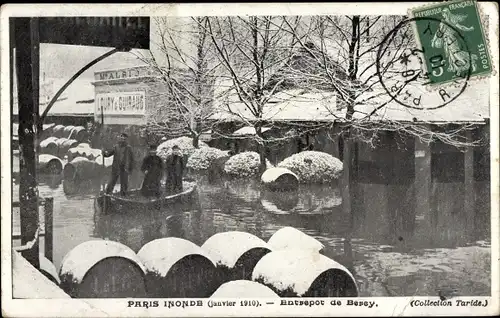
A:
<point x="406" y="71"/>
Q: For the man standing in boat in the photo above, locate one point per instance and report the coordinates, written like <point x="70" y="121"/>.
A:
<point x="123" y="164"/>
<point x="152" y="167"/>
<point x="175" y="169"/>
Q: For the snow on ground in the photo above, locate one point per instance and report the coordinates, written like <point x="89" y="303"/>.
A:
<point x="28" y="283"/>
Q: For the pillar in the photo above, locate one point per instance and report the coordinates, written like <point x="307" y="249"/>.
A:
<point x="27" y="70"/>
<point x="423" y="181"/>
<point x="469" y="184"/>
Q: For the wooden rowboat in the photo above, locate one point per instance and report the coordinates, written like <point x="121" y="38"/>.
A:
<point x="135" y="201"/>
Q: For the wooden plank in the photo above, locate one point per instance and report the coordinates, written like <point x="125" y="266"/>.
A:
<point x="49" y="228"/>
<point x="27" y="67"/>
<point x="16" y="234"/>
<point x="119" y="32"/>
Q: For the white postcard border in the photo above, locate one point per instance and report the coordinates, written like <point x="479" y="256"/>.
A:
<point x="113" y="307"/>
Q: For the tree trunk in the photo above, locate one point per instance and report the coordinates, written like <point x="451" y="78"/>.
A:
<point x="196" y="140"/>
<point x="261" y="145"/>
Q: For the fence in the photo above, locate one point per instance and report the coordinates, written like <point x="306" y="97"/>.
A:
<point x="48" y="231"/>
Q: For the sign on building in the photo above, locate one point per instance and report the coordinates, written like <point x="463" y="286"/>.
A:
<point x="120" y="103"/>
<point x="124" y="74"/>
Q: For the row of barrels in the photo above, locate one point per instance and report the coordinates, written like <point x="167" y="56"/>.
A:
<point x="83" y="162"/>
<point x="57" y="146"/>
<point x="79" y="133"/>
<point x="228" y="264"/>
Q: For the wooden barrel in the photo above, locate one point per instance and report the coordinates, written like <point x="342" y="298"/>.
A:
<point x="49" y="146"/>
<point x="49" y="164"/>
<point x="304" y="273"/>
<point x="291" y="238"/>
<point x="48" y="130"/>
<point x="72" y="154"/>
<point x="67" y="131"/>
<point x="64" y="145"/>
<point x="280" y="179"/>
<point x="48" y="269"/>
<point x="58" y="131"/>
<point x="243" y="289"/>
<point x="79" y="133"/>
<point x="235" y="253"/>
<point x="102" y="269"/>
<point x="81" y="150"/>
<point x="81" y="168"/>
<point x="177" y="268"/>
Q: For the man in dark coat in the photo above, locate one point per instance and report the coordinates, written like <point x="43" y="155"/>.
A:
<point x="175" y="169"/>
<point x="123" y="164"/>
<point x="152" y="167"/>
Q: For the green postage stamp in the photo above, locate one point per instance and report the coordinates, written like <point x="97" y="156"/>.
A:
<point x="452" y="41"/>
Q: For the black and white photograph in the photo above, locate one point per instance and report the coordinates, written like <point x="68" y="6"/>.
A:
<point x="250" y="159"/>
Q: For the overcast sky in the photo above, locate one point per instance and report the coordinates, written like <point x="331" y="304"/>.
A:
<point x="62" y="61"/>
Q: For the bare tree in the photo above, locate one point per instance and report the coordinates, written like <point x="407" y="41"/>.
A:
<point x="252" y="50"/>
<point x="186" y="62"/>
<point x="343" y="58"/>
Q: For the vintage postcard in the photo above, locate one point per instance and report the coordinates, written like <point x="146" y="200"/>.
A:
<point x="250" y="159"/>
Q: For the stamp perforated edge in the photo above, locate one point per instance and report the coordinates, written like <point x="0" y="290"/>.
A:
<point x="482" y="17"/>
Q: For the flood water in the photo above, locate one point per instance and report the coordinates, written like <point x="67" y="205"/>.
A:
<point x="381" y="265"/>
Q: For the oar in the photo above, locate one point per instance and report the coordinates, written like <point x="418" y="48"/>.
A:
<point x="103" y="164"/>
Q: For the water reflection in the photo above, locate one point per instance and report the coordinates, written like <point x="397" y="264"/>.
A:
<point x="417" y="265"/>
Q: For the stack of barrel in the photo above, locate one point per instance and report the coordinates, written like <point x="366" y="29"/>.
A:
<point x="70" y="143"/>
<point x="58" y="139"/>
<point x="227" y="265"/>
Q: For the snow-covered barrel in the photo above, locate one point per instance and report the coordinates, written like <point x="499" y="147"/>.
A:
<point x="49" y="146"/>
<point x="291" y="238"/>
<point x="292" y="273"/>
<point x="49" y="164"/>
<point x="64" y="145"/>
<point x="48" y="269"/>
<point x="280" y="179"/>
<point x="81" y="168"/>
<point x="79" y="133"/>
<point x="83" y="150"/>
<point x="58" y="131"/>
<point x="242" y="289"/>
<point x="73" y="153"/>
<point x="177" y="268"/>
<point x="235" y="253"/>
<point x="67" y="131"/>
<point x="47" y="131"/>
<point x="103" y="269"/>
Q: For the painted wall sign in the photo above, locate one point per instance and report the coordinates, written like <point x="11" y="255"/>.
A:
<point x="120" y="103"/>
<point x="124" y="73"/>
